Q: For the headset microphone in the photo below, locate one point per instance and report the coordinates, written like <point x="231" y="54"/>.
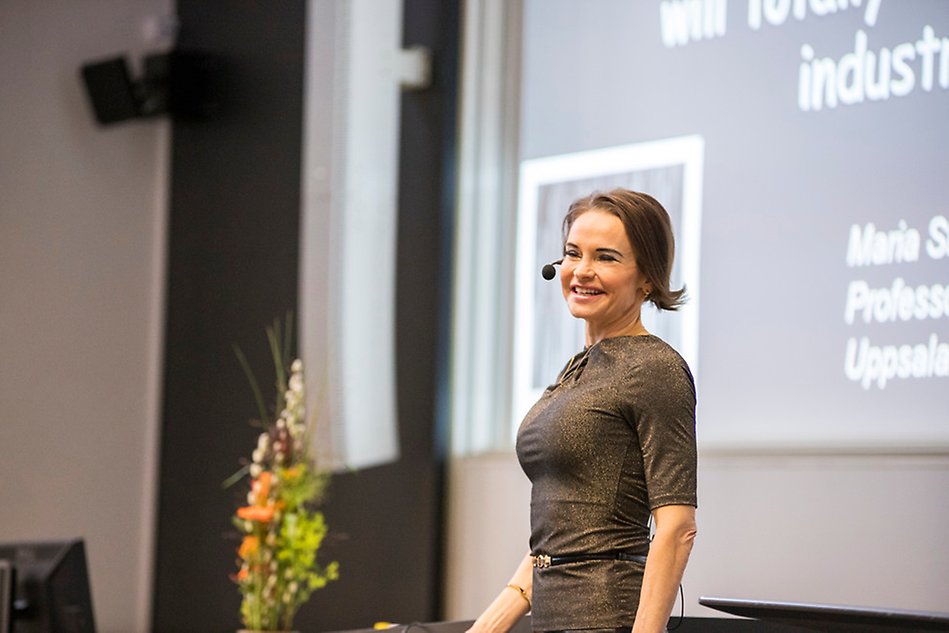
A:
<point x="548" y="272"/>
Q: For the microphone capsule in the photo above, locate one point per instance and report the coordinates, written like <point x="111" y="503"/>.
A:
<point x="548" y="272"/>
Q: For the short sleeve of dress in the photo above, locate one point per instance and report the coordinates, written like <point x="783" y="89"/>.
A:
<point x="664" y="420"/>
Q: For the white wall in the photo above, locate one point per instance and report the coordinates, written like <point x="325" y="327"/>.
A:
<point x="488" y="530"/>
<point x="82" y="221"/>
<point x="839" y="529"/>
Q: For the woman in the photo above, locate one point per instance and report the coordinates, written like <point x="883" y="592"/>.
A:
<point x="611" y="442"/>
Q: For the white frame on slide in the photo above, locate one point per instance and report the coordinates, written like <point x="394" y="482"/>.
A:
<point x="687" y="151"/>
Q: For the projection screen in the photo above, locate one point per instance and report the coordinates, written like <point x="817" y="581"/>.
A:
<point x="823" y="251"/>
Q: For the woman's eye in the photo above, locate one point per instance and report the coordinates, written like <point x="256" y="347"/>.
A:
<point x="607" y="258"/>
<point x="571" y="254"/>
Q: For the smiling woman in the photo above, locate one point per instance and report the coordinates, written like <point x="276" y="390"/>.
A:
<point x="610" y="446"/>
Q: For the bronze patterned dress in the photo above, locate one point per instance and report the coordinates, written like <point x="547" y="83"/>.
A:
<point x="611" y="441"/>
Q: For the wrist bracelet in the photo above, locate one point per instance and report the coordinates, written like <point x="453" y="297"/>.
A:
<point x="523" y="593"/>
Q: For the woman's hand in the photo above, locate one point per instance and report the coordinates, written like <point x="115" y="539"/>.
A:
<point x="510" y="605"/>
<point x="665" y="564"/>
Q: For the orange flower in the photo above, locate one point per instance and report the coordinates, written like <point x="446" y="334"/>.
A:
<point x="261" y="514"/>
<point x="249" y="547"/>
<point x="261" y="487"/>
<point x="242" y="574"/>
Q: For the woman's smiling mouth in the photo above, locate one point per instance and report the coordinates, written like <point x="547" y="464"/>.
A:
<point x="586" y="292"/>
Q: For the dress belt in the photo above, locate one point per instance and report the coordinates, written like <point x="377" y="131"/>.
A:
<point x="543" y="561"/>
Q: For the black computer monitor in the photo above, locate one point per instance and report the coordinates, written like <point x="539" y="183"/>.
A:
<point x="51" y="587"/>
<point x="7" y="580"/>
<point x="830" y="618"/>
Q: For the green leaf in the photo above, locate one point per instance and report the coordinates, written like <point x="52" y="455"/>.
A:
<point x="273" y="338"/>
<point x="258" y="396"/>
<point x="287" y="335"/>
<point x="233" y="479"/>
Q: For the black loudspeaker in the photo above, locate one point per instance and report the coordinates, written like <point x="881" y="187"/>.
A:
<point x="184" y="84"/>
<point x="111" y="90"/>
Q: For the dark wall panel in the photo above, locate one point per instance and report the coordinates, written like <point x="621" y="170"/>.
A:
<point x="233" y="257"/>
<point x="233" y="236"/>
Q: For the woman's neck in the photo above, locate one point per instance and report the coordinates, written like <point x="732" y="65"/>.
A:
<point x="632" y="327"/>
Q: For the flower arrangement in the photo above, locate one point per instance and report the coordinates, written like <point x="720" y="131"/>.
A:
<point x="282" y="530"/>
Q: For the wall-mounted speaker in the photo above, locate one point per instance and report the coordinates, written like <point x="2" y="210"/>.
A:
<point x="184" y="84"/>
<point x="110" y="90"/>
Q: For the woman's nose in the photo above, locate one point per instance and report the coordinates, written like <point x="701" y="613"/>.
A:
<point x="584" y="269"/>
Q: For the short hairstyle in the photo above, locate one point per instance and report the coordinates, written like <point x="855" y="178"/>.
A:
<point x="649" y="231"/>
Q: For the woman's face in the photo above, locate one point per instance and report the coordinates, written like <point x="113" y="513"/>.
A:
<point x="599" y="277"/>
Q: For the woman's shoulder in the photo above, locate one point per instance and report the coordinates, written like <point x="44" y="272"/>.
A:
<point x="646" y="347"/>
<point x="648" y="366"/>
<point x="647" y="352"/>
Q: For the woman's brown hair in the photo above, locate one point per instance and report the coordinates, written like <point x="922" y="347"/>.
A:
<point x="649" y="230"/>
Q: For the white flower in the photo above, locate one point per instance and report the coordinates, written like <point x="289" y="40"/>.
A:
<point x="296" y="383"/>
<point x="251" y="498"/>
<point x="263" y="441"/>
<point x="297" y="366"/>
<point x="257" y="455"/>
<point x="255" y="470"/>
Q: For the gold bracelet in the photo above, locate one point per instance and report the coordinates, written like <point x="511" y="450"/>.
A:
<point x="523" y="593"/>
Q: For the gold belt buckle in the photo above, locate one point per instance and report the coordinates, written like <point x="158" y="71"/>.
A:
<point x="542" y="561"/>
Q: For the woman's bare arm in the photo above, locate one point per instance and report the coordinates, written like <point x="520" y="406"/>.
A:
<point x="665" y="564"/>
